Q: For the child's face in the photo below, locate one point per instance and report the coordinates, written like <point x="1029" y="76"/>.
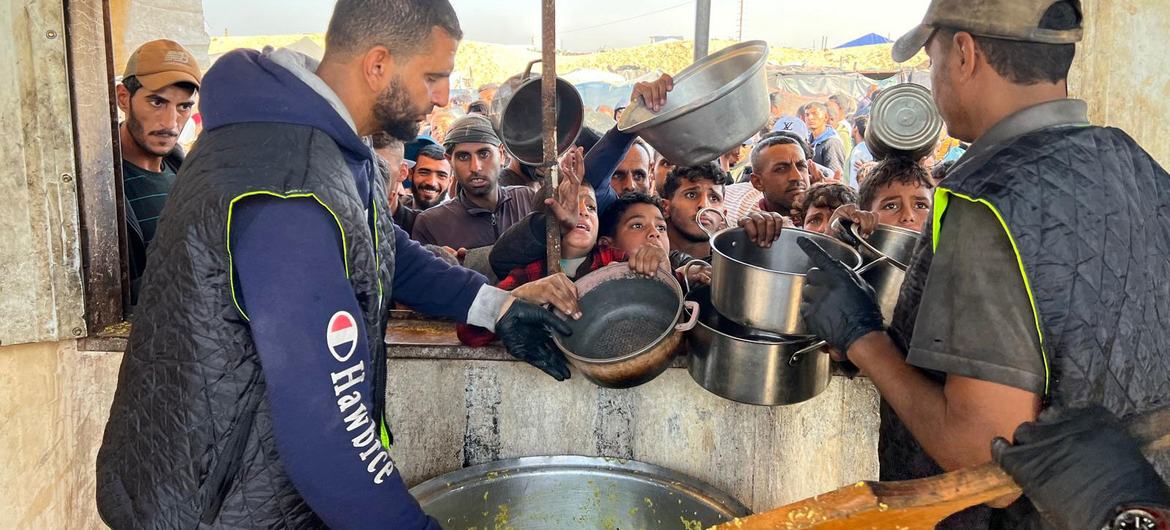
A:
<point x="641" y="224"/>
<point x="904" y="205"/>
<point x="581" y="239"/>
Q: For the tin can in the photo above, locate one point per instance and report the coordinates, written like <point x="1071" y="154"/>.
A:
<point x="904" y="121"/>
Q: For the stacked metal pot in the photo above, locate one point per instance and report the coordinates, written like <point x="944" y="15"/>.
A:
<point x="750" y="344"/>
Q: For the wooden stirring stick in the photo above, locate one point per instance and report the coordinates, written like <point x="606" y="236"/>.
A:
<point x="920" y="504"/>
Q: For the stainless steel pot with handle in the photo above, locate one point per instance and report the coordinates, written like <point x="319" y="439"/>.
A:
<point x="751" y="366"/>
<point x="515" y="112"/>
<point x="885" y="253"/>
<point x="631" y="326"/>
<point x="760" y="287"/>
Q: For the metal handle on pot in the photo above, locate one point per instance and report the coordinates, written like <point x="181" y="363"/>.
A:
<point x="699" y="220"/>
<point x="528" y="70"/>
<point x="792" y="361"/>
<point x="690" y="322"/>
<point x="849" y="232"/>
<point x="846" y="231"/>
<point x="686" y="271"/>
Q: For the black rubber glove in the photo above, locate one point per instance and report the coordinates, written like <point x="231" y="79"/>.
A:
<point x="837" y="305"/>
<point x="525" y="330"/>
<point x="1078" y="466"/>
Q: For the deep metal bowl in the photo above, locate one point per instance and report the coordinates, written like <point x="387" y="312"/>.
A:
<point x="717" y="103"/>
<point x="542" y="493"/>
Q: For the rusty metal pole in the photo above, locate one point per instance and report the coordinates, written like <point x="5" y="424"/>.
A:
<point x="548" y="122"/>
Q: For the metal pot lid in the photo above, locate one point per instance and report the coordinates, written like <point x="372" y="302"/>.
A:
<point x="905" y="118"/>
<point x="683" y="100"/>
<point x="573" y="492"/>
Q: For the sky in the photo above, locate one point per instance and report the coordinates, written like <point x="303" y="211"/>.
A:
<point x="589" y="25"/>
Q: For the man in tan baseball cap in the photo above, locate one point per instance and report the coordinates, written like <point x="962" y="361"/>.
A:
<point x="157" y="97"/>
<point x="1030" y="287"/>
<point x="161" y="63"/>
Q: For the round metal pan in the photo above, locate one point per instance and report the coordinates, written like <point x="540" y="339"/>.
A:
<point x="540" y="493"/>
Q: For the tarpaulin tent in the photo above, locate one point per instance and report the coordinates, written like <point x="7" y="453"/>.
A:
<point x="865" y="40"/>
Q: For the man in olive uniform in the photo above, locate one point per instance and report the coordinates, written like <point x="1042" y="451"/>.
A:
<point x="1040" y="277"/>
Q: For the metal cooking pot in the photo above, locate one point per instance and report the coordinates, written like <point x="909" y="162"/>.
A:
<point x="543" y="492"/>
<point x="751" y="366"/>
<point x="515" y="112"/>
<point x="717" y="103"/>
<point x="760" y="287"/>
<point x="886" y="253"/>
<point x="904" y="121"/>
<point x="630" y="326"/>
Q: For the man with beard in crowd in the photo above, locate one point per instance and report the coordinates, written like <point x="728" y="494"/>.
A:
<point x="430" y="178"/>
<point x="633" y="172"/>
<point x="484" y="209"/>
<point x="252" y="393"/>
<point x="157" y="95"/>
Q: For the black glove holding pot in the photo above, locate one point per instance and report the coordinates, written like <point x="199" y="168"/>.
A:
<point x="1079" y="467"/>
<point x="836" y="304"/>
<point x="526" y="331"/>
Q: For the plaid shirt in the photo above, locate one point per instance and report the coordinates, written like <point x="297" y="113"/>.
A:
<point x="476" y="336"/>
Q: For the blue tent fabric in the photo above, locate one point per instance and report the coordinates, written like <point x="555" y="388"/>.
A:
<point x="865" y="40"/>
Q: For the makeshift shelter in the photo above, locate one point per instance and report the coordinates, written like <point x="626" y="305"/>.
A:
<point x="865" y="40"/>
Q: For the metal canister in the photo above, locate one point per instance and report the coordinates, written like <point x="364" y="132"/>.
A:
<point x="903" y="122"/>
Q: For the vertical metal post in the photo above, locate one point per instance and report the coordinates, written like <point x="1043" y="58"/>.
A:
<point x="740" y="21"/>
<point x="702" y="27"/>
<point x="548" y="122"/>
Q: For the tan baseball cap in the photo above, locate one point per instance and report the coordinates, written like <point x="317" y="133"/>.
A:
<point x="161" y="63"/>
<point x="1017" y="20"/>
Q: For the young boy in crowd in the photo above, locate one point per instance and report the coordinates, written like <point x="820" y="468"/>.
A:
<point x="634" y="232"/>
<point x="820" y="201"/>
<point x="896" y="192"/>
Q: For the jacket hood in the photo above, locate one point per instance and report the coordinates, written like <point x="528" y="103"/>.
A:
<point x="274" y="87"/>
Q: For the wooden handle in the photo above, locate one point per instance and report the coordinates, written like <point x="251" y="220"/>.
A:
<point x="922" y="503"/>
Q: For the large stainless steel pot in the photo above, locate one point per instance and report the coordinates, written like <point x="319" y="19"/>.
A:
<point x="516" y="115"/>
<point x="559" y="492"/>
<point x="630" y="328"/>
<point x="760" y="287"/>
<point x="751" y="366"/>
<point x="717" y="103"/>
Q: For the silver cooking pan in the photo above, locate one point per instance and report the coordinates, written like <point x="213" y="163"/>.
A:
<point x="760" y="287"/>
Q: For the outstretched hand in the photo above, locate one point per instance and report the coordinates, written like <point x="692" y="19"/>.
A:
<point x="565" y="205"/>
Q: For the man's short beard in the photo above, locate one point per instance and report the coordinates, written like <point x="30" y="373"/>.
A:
<point x="393" y="113"/>
<point x="138" y="134"/>
<point x="423" y="204"/>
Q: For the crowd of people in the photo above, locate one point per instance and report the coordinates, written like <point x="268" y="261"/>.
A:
<point x="264" y="265"/>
